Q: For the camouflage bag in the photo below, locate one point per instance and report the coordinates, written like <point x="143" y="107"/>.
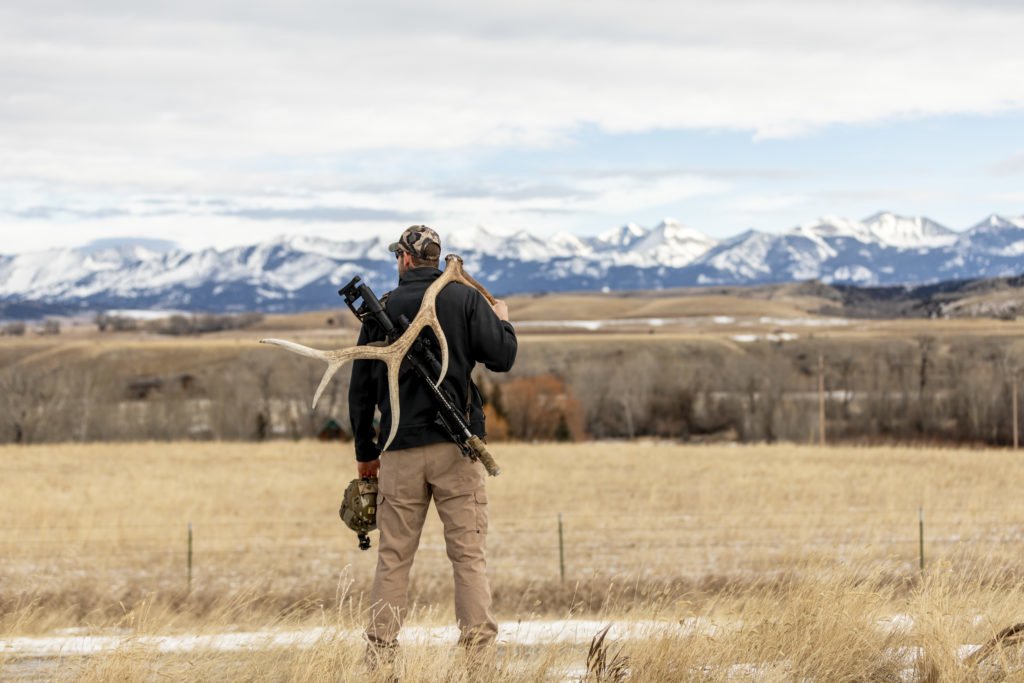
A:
<point x="359" y="508"/>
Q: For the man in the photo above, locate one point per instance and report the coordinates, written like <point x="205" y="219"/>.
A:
<point x="422" y="463"/>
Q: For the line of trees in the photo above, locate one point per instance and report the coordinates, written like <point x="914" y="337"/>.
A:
<point x="178" y="325"/>
<point x="921" y="389"/>
<point x="19" y="328"/>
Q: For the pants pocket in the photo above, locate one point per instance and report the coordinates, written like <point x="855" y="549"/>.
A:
<point x="480" y="507"/>
<point x="386" y="478"/>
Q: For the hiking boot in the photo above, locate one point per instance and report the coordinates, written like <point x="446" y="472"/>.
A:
<point x="480" y="662"/>
<point x="381" y="660"/>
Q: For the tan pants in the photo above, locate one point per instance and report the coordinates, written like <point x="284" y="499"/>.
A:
<point x="408" y="479"/>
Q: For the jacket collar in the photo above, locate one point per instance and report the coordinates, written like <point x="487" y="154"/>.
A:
<point x="423" y="274"/>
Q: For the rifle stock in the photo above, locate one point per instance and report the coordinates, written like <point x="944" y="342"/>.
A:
<point x="484" y="455"/>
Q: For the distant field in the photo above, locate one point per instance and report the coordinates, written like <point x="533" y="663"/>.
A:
<point x="705" y="367"/>
<point x="87" y="526"/>
<point x="596" y="315"/>
<point x="546" y="329"/>
<point x="603" y="306"/>
<point x="749" y="563"/>
<point x="546" y="325"/>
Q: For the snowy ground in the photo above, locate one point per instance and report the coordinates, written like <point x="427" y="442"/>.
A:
<point x="520" y="633"/>
<point x="690" y="321"/>
<point x="35" y="650"/>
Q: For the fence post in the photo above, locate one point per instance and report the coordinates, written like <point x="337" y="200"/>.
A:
<point x="920" y="535"/>
<point x="190" y="557"/>
<point x="1016" y="415"/>
<point x="821" y="399"/>
<point x="561" y="549"/>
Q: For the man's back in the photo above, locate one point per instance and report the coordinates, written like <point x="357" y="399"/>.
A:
<point x="473" y="333"/>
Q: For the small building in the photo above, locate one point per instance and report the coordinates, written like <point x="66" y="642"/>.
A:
<point x="332" y="431"/>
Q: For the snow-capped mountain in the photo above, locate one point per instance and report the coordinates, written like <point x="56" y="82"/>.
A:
<point x="619" y="238"/>
<point x="136" y="246"/>
<point x="908" y="233"/>
<point x="297" y="272"/>
<point x="883" y="249"/>
<point x="57" y="272"/>
<point x="669" y="244"/>
<point x="996" y="237"/>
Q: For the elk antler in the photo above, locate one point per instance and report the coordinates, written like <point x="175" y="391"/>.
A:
<point x="393" y="354"/>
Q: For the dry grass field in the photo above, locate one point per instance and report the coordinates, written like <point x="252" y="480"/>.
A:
<point x="713" y="563"/>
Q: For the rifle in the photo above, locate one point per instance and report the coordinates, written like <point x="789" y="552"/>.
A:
<point x="422" y="361"/>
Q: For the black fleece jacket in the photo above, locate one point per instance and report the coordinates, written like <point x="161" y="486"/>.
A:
<point x="474" y="334"/>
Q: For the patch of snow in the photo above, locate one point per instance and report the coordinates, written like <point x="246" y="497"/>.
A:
<point x="1013" y="249"/>
<point x="594" y="325"/>
<point x="860" y="274"/>
<point x="772" y="337"/>
<point x="142" y="314"/>
<point x="591" y="325"/>
<point x="803" y="322"/>
<point x="522" y="633"/>
<point x="897" y="623"/>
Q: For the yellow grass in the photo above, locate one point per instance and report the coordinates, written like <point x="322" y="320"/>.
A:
<point x="604" y="306"/>
<point x="795" y="553"/>
<point x="656" y="511"/>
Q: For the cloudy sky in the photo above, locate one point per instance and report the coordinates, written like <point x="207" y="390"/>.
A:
<point x="224" y="122"/>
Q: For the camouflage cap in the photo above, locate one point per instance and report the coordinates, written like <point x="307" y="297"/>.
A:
<point x="420" y="241"/>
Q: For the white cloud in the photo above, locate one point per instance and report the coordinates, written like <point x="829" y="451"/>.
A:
<point x="572" y="202"/>
<point x="1012" y="165"/>
<point x="189" y="87"/>
<point x="766" y="204"/>
<point x="255" y="100"/>
<point x="1008" y="198"/>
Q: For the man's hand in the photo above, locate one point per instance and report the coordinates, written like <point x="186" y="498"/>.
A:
<point x="368" y="469"/>
<point x="500" y="309"/>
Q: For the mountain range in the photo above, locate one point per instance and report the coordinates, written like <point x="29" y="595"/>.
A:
<point x="293" y="273"/>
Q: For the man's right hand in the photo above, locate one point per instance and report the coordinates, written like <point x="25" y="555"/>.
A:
<point x="368" y="469"/>
<point x="500" y="309"/>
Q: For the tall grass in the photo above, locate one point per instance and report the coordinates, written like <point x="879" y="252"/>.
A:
<point x="779" y="562"/>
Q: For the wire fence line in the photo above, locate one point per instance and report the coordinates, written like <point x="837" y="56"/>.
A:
<point x="679" y="539"/>
<point x="538" y="523"/>
<point x="1001" y="510"/>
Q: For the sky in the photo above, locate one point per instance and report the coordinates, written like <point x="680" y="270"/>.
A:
<point x="217" y="123"/>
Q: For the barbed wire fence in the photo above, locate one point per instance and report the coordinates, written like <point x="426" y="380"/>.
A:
<point x="552" y="545"/>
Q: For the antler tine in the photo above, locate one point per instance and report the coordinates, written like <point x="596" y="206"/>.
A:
<point x="337" y="359"/>
<point x="394" y="365"/>
<point x="442" y="341"/>
<point x="297" y="348"/>
<point x="332" y="367"/>
<point x="460" y="275"/>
